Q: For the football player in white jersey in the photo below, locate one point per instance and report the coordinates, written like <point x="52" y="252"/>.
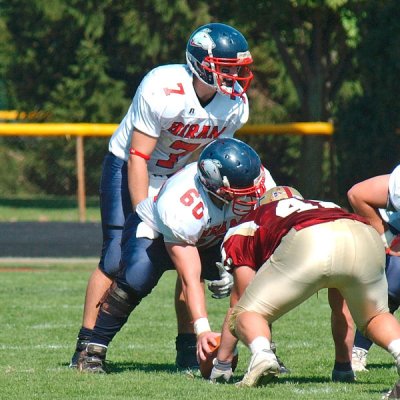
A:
<point x="378" y="199"/>
<point x="180" y="228"/>
<point x="176" y="111"/>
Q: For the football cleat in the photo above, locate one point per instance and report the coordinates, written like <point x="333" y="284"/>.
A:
<point x="343" y="376"/>
<point x="282" y="367"/>
<point x="262" y="369"/>
<point x="92" y="359"/>
<point x="80" y="347"/>
<point x="186" y="357"/>
<point x="359" y="359"/>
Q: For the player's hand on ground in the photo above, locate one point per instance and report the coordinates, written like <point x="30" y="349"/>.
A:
<point x="221" y="372"/>
<point x="222" y="287"/>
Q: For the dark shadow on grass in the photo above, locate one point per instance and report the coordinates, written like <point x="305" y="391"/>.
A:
<point x="118" y="367"/>
<point x="372" y="366"/>
<point x="302" y="379"/>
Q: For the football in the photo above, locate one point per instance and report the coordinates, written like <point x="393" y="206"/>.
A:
<point x="206" y="365"/>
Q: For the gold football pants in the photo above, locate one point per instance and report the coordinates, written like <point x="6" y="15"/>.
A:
<point x="343" y="254"/>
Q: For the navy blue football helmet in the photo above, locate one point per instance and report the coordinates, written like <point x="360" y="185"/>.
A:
<point x="231" y="170"/>
<point x="219" y="56"/>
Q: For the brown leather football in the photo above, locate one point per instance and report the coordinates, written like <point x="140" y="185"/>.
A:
<point x="206" y="365"/>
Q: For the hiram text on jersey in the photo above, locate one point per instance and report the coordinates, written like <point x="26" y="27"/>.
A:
<point x="192" y="131"/>
<point x="216" y="232"/>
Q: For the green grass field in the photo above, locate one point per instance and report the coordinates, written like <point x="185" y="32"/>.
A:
<point x="46" y="208"/>
<point x="41" y="307"/>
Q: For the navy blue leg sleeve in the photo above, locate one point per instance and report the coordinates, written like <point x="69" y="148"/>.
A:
<point x="361" y="341"/>
<point x="115" y="207"/>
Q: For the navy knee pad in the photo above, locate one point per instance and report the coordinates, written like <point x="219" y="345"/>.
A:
<point x="118" y="301"/>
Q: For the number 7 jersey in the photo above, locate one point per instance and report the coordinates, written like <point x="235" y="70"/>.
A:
<point x="165" y="106"/>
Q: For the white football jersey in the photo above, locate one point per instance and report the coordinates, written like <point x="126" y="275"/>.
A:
<point x="392" y="213"/>
<point x="184" y="213"/>
<point x="166" y="106"/>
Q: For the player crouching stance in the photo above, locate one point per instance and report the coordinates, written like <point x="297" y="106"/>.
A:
<point x="304" y="245"/>
<point x="182" y="228"/>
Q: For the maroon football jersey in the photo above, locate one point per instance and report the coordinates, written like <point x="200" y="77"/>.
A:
<point x="255" y="239"/>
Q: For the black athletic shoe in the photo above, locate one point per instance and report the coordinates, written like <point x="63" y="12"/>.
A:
<point x="80" y="347"/>
<point x="343" y="376"/>
<point x="282" y="367"/>
<point x="186" y="357"/>
<point x="93" y="359"/>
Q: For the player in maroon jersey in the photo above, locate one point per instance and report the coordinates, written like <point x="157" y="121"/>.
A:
<point x="285" y="251"/>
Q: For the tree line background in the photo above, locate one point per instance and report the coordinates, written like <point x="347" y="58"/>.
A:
<point x="314" y="60"/>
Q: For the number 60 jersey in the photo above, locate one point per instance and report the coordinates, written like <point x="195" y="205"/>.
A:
<point x="184" y="212"/>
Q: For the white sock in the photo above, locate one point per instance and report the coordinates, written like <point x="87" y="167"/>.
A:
<point x="260" y="343"/>
<point x="394" y="348"/>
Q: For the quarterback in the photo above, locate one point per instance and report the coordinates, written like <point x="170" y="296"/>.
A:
<point x="180" y="228"/>
<point x="176" y="111"/>
<point x="302" y="245"/>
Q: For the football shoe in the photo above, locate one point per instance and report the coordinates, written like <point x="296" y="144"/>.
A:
<point x="282" y="367"/>
<point x="186" y="357"/>
<point x="93" y="359"/>
<point x="359" y="359"/>
<point x="343" y="376"/>
<point x="80" y="347"/>
<point x="262" y="369"/>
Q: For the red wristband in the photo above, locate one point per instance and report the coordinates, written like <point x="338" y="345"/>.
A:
<point x="139" y="154"/>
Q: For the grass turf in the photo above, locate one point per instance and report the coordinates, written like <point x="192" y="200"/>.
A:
<point x="44" y="209"/>
<point x="41" y="308"/>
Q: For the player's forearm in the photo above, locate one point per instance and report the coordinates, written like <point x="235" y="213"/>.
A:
<point x="366" y="204"/>
<point x="188" y="265"/>
<point x="138" y="180"/>
<point x="195" y="300"/>
<point x="228" y="341"/>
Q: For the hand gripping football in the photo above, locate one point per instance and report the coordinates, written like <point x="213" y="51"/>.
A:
<point x="206" y="365"/>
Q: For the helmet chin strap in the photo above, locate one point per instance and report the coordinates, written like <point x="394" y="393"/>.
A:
<point x="216" y="196"/>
